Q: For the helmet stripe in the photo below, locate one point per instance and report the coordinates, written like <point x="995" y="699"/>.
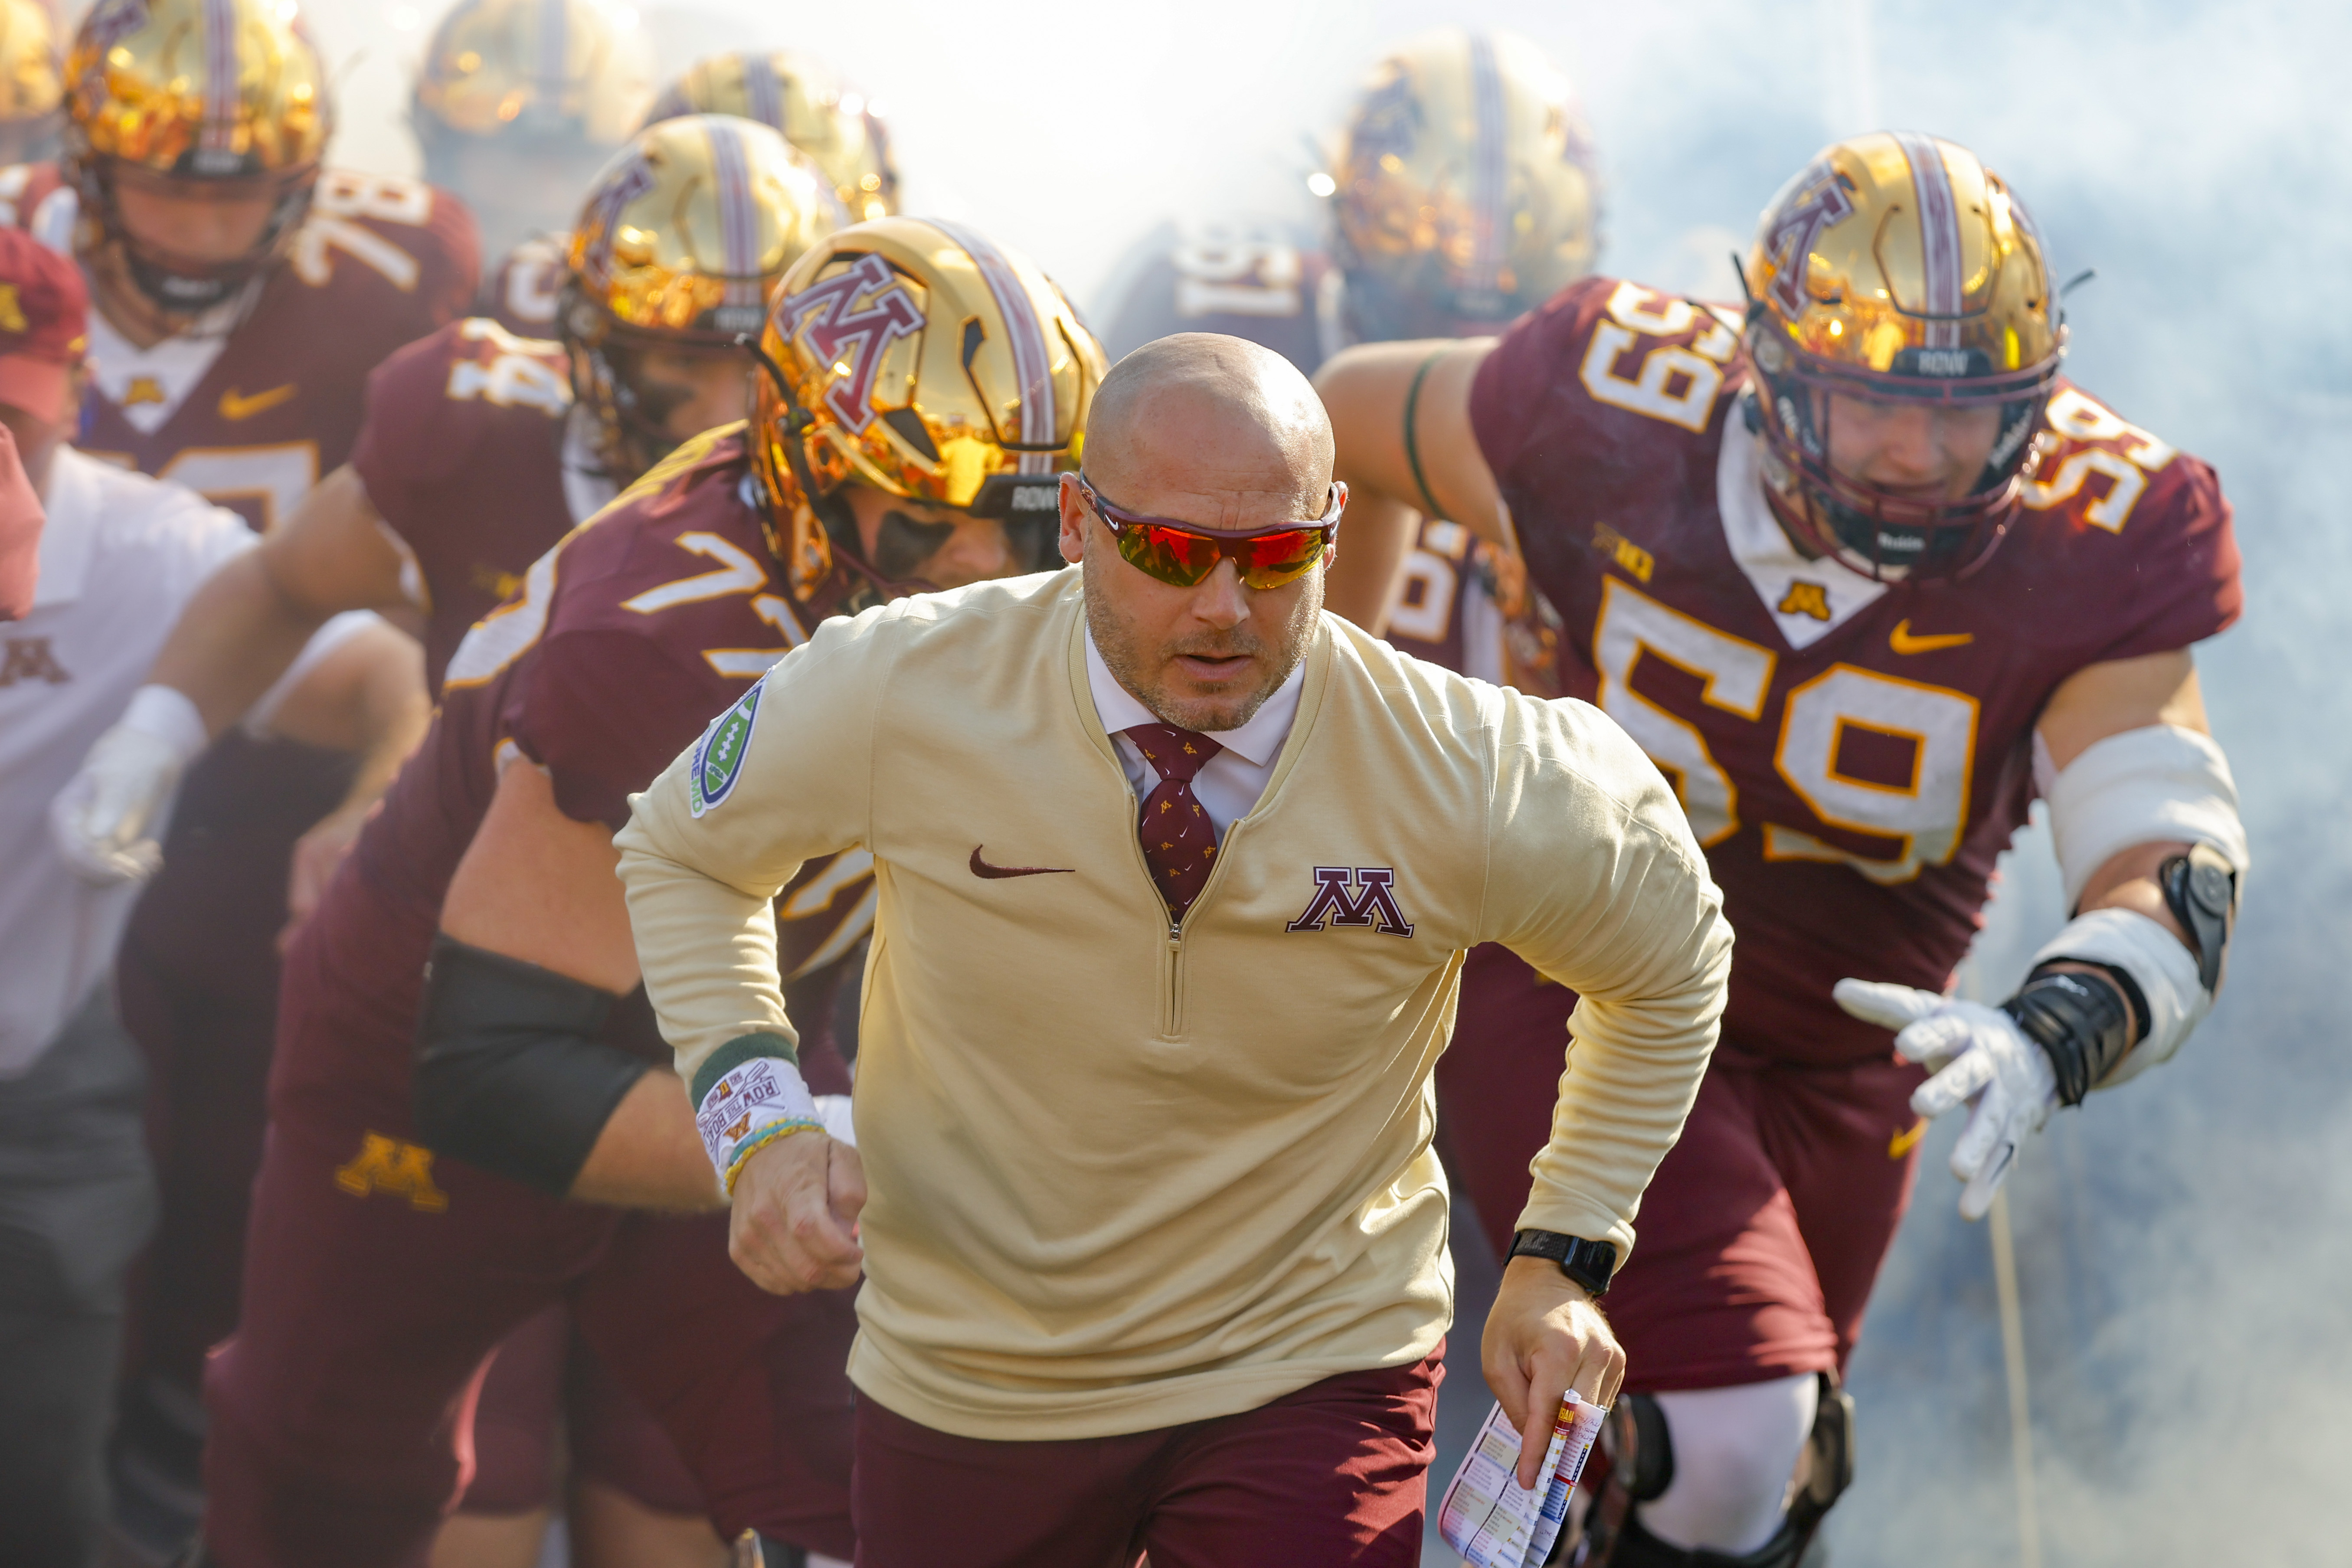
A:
<point x="219" y="132"/>
<point x="1033" y="363"/>
<point x="1939" y="236"/>
<point x="764" y="95"/>
<point x="738" y="219"/>
<point x="1489" y="172"/>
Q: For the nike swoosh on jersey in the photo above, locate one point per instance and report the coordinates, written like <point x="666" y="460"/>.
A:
<point x="234" y="405"/>
<point x="1902" y="641"/>
<point x="1903" y="1143"/>
<point x="981" y="867"/>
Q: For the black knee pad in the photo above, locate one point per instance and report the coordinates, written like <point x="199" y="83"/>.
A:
<point x="1642" y="1466"/>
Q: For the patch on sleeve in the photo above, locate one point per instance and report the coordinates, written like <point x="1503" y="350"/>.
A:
<point x="718" y="757"/>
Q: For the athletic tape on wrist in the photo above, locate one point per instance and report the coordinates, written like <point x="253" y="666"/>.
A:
<point x="2165" y="970"/>
<point x="2150" y="786"/>
<point x="169" y="715"/>
<point x="753" y="1104"/>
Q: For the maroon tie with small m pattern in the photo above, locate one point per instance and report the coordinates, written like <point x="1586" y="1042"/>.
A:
<point x="1180" y="842"/>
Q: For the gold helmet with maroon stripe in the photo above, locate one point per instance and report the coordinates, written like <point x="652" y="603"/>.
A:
<point x="520" y="102"/>
<point x="923" y="360"/>
<point x="32" y="82"/>
<point x="564" y="70"/>
<point x="799" y="95"/>
<point x="1465" y="189"/>
<point x="681" y="240"/>
<point x="209" y="98"/>
<point x="1897" y="268"/>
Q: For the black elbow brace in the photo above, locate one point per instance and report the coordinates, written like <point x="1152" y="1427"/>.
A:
<point x="510" y="1074"/>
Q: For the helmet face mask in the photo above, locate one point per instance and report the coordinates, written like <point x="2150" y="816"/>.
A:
<point x="1896" y="270"/>
<point x="171" y="246"/>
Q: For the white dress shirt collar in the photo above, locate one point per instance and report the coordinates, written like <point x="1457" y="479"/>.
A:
<point x="1229" y="784"/>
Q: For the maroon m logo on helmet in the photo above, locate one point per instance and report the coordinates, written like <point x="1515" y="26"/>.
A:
<point x="1790" y="239"/>
<point x="852" y="341"/>
<point x="1373" y="902"/>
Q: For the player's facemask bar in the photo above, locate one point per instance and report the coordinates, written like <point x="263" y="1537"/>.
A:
<point x="182" y="285"/>
<point x="1020" y="503"/>
<point x="1877" y="533"/>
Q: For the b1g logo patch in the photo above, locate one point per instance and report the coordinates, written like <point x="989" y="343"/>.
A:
<point x="719" y="760"/>
<point x="1354" y="896"/>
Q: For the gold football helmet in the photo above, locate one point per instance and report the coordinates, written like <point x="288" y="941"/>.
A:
<point x="32" y="82"/>
<point x="919" y="358"/>
<point x="1898" y="266"/>
<point x="800" y="95"/>
<point x="225" y="98"/>
<point x="1465" y="189"/>
<point x="518" y="103"/>
<point x="681" y="240"/>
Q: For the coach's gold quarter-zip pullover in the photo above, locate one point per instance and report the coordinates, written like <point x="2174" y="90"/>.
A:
<point x="1121" y="1177"/>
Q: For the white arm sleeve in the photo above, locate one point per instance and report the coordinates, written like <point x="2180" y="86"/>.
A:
<point x="2142" y="786"/>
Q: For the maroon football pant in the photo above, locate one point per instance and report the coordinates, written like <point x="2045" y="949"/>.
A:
<point x="341" y="1413"/>
<point x="543" y="1378"/>
<point x="1334" y="1474"/>
<point x="1764" y="1228"/>
<point x="198" y="976"/>
<point x="1497" y="1083"/>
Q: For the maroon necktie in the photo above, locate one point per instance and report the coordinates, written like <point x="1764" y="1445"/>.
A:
<point x="1180" y="842"/>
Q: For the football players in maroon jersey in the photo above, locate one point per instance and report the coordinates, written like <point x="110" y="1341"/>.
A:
<point x="1863" y="573"/>
<point x="480" y="450"/>
<point x="429" y="1186"/>
<point x="242" y="294"/>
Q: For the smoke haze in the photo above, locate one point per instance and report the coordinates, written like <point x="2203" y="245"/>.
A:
<point x="2182" y="1243"/>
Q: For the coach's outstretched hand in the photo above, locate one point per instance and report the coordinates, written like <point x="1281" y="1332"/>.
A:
<point x="1544" y="1337"/>
<point x="794" y="1225"/>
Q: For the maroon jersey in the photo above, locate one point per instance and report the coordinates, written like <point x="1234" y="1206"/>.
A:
<point x="1853" y="754"/>
<point x="625" y="641"/>
<point x="520" y="290"/>
<point x="461" y="455"/>
<point x="379" y="262"/>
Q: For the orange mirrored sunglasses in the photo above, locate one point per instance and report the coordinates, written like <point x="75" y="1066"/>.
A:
<point x="1184" y="553"/>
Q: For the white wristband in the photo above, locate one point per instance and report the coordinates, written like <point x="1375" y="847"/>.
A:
<point x="166" y="713"/>
<point x="756" y="1104"/>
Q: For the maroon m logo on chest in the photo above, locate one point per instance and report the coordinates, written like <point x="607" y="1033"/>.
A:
<point x="29" y="659"/>
<point x="1354" y="896"/>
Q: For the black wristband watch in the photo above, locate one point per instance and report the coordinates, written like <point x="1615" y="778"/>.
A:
<point x="1589" y="1263"/>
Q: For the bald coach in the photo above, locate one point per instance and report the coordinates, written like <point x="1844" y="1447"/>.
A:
<point x="1177" y="874"/>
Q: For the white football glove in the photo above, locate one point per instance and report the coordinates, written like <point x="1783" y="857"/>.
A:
<point x="110" y="818"/>
<point x="1977" y="1053"/>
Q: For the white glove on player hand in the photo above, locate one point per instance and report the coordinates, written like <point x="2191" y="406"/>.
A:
<point x="1977" y="1053"/>
<point x="104" y="820"/>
